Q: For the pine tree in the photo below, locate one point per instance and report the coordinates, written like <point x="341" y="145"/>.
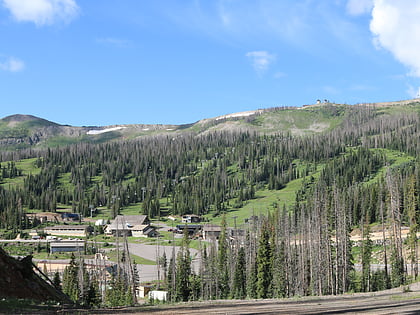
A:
<point x="117" y="294"/>
<point x="279" y="271"/>
<point x="183" y="271"/>
<point x="170" y="279"/>
<point x="412" y="235"/>
<point x="264" y="259"/>
<point x="70" y="280"/>
<point x="366" y="255"/>
<point x="223" y="265"/>
<point x="251" y="283"/>
<point x="239" y="279"/>
<point x="93" y="296"/>
<point x="57" y="280"/>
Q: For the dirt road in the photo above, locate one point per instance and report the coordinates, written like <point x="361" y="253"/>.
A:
<point x="354" y="305"/>
<point x="386" y="302"/>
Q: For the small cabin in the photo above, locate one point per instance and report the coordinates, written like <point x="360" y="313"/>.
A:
<point x="192" y="228"/>
<point x="191" y="218"/>
<point x="211" y="231"/>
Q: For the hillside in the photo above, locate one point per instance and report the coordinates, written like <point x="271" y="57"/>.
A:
<point x="24" y="131"/>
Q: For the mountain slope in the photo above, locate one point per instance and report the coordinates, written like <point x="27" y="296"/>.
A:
<point x="23" y="131"/>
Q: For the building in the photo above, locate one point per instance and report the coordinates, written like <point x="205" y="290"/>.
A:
<point x="192" y="228"/>
<point x="66" y="216"/>
<point x="143" y="291"/>
<point x="158" y="295"/>
<point x="143" y="231"/>
<point x="211" y="231"/>
<point x="69" y="230"/>
<point x="235" y="233"/>
<point x="101" y="264"/>
<point x="100" y="222"/>
<point x="191" y="218"/>
<point x="67" y="246"/>
<point x="130" y="225"/>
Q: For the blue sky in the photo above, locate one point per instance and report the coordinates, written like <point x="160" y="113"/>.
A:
<point x="104" y="62"/>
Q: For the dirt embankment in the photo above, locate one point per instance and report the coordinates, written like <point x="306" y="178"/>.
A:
<point x="18" y="280"/>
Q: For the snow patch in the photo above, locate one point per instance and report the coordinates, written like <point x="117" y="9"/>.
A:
<point x="98" y="132"/>
<point x="241" y="114"/>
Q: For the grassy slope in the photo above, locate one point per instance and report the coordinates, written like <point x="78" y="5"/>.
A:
<point x="27" y="166"/>
<point x="300" y="121"/>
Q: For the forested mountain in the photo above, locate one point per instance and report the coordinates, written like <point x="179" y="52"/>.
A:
<point x="352" y="166"/>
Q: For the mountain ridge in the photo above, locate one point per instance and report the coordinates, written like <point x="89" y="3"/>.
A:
<point x="21" y="131"/>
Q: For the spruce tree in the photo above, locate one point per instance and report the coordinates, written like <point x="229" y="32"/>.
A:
<point x="183" y="271"/>
<point x="264" y="268"/>
<point x="70" y="280"/>
<point x="57" y="280"/>
<point x="239" y="279"/>
<point x="366" y="255"/>
<point x="222" y="257"/>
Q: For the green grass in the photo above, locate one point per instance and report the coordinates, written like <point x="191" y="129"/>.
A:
<point x="392" y="110"/>
<point x="64" y="181"/>
<point x="165" y="239"/>
<point x="301" y="121"/>
<point x="139" y="260"/>
<point x="27" y="166"/>
<point x="60" y="141"/>
<point x="23" y="249"/>
<point x="395" y="159"/>
<point x="376" y="250"/>
<point x="27" y="306"/>
<point x="134" y="209"/>
<point x="266" y="200"/>
<point x="405" y="297"/>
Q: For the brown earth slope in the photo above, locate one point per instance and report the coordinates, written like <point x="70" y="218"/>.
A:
<point x="18" y="280"/>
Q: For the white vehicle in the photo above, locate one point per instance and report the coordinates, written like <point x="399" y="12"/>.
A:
<point x="51" y="238"/>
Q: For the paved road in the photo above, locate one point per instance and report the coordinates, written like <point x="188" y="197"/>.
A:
<point x="150" y="252"/>
<point x="150" y="272"/>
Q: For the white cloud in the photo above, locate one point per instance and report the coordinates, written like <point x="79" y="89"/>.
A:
<point x="42" y="12"/>
<point x="261" y="60"/>
<point x="12" y="64"/>
<point x="359" y="7"/>
<point x="396" y="27"/>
